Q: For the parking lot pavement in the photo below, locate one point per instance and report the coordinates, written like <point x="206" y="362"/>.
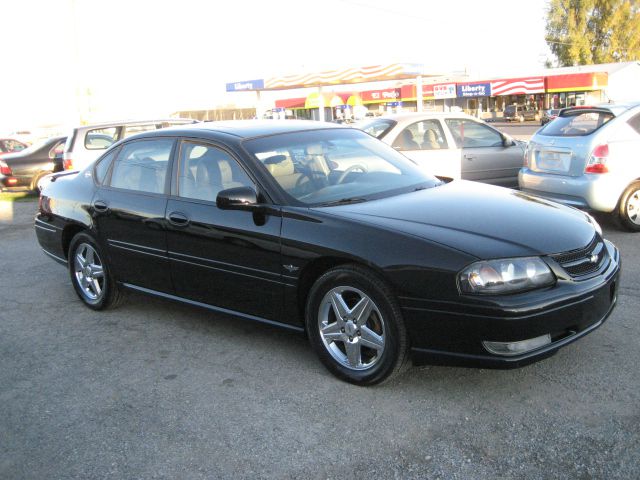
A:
<point x="159" y="390"/>
<point x="520" y="131"/>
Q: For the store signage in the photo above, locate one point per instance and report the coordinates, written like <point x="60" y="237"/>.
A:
<point x="445" y="90"/>
<point x="380" y="95"/>
<point x="474" y="90"/>
<point x="245" y="85"/>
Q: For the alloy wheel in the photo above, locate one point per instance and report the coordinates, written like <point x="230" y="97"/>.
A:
<point x="89" y="272"/>
<point x="632" y="207"/>
<point x="351" y="327"/>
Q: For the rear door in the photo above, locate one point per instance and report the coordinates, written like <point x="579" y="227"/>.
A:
<point x="129" y="213"/>
<point x="226" y="258"/>
<point x="485" y="158"/>
<point x="425" y="143"/>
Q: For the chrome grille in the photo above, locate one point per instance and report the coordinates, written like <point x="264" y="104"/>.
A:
<point x="584" y="261"/>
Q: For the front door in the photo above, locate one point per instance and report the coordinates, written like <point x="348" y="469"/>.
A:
<point x="485" y="158"/>
<point x="226" y="258"/>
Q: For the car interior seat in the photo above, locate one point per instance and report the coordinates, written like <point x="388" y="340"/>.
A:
<point x="430" y="140"/>
<point x="406" y="142"/>
<point x="281" y="167"/>
<point x="208" y="177"/>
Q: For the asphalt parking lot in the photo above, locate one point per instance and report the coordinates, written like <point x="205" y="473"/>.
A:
<point x="158" y="390"/>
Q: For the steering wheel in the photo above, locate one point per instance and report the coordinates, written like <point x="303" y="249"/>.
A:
<point x="347" y="171"/>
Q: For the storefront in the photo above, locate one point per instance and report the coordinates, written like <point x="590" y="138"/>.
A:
<point x="575" y="89"/>
<point x="555" y="88"/>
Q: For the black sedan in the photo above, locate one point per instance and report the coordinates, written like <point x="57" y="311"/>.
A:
<point x="27" y="167"/>
<point x="324" y="229"/>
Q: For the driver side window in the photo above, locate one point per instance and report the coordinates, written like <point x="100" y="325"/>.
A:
<point x="472" y="134"/>
<point x="205" y="170"/>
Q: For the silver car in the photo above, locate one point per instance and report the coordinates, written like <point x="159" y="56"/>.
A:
<point x="453" y="145"/>
<point x="588" y="157"/>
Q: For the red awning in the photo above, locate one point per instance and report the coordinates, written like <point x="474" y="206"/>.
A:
<point x="291" y="103"/>
<point x="577" y="82"/>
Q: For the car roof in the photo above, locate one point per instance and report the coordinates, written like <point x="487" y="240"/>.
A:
<point x="249" y="128"/>
<point x="134" y="122"/>
<point x="615" y="108"/>
<point x="417" y="115"/>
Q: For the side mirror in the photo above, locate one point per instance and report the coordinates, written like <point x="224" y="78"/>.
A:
<point x="238" y="198"/>
<point x="507" y="141"/>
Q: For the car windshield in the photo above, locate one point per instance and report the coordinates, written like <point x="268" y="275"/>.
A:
<point x="336" y="166"/>
<point x="576" y="123"/>
<point x="376" y="128"/>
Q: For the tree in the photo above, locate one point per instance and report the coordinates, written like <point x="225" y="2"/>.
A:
<point x="583" y="32"/>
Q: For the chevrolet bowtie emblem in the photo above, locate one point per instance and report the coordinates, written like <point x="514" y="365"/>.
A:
<point x="593" y="258"/>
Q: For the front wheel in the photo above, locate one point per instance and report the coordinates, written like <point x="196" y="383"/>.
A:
<point x="629" y="208"/>
<point x="90" y="274"/>
<point x="355" y="326"/>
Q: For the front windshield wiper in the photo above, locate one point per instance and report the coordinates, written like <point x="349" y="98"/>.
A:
<point x="343" y="201"/>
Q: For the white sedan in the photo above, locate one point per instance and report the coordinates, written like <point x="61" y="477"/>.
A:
<point x="453" y="145"/>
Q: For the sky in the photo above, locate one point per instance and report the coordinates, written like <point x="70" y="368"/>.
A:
<point x="142" y="58"/>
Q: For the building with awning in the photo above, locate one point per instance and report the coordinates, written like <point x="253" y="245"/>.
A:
<point x="485" y="97"/>
<point x="319" y="100"/>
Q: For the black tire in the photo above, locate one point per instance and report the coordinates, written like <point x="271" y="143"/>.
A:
<point x="379" y="338"/>
<point x="90" y="274"/>
<point x="629" y="208"/>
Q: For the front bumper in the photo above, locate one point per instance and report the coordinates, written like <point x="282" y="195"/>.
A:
<point x="453" y="334"/>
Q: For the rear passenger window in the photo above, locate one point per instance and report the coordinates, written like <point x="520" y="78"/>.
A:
<point x="142" y="166"/>
<point x="100" y="138"/>
<point x="102" y="167"/>
<point x="205" y="170"/>
<point x="425" y="135"/>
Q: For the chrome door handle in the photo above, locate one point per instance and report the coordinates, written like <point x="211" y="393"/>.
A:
<point x="100" y="206"/>
<point x="178" y="219"/>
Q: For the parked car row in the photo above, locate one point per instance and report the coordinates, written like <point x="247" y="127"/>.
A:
<point x="291" y="223"/>
<point x="26" y="167"/>
<point x="31" y="167"/>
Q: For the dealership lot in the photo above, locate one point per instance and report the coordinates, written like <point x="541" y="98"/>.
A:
<point x="159" y="390"/>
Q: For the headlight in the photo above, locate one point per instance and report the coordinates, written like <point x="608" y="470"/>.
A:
<point x="505" y="276"/>
<point x="595" y="224"/>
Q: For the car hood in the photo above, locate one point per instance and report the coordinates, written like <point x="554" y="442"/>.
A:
<point x="479" y="219"/>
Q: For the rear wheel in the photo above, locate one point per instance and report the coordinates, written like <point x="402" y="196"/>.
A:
<point x="34" y="182"/>
<point x="629" y="208"/>
<point x="90" y="274"/>
<point x="355" y="326"/>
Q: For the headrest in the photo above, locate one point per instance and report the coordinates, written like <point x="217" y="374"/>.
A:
<point x="284" y="167"/>
<point x="315" y="149"/>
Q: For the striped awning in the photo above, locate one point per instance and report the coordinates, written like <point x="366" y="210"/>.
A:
<point x="346" y="76"/>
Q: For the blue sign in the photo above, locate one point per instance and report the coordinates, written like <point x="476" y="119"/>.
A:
<point x="474" y="90"/>
<point x="245" y="85"/>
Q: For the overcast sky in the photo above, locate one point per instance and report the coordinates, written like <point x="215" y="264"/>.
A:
<point x="137" y="58"/>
